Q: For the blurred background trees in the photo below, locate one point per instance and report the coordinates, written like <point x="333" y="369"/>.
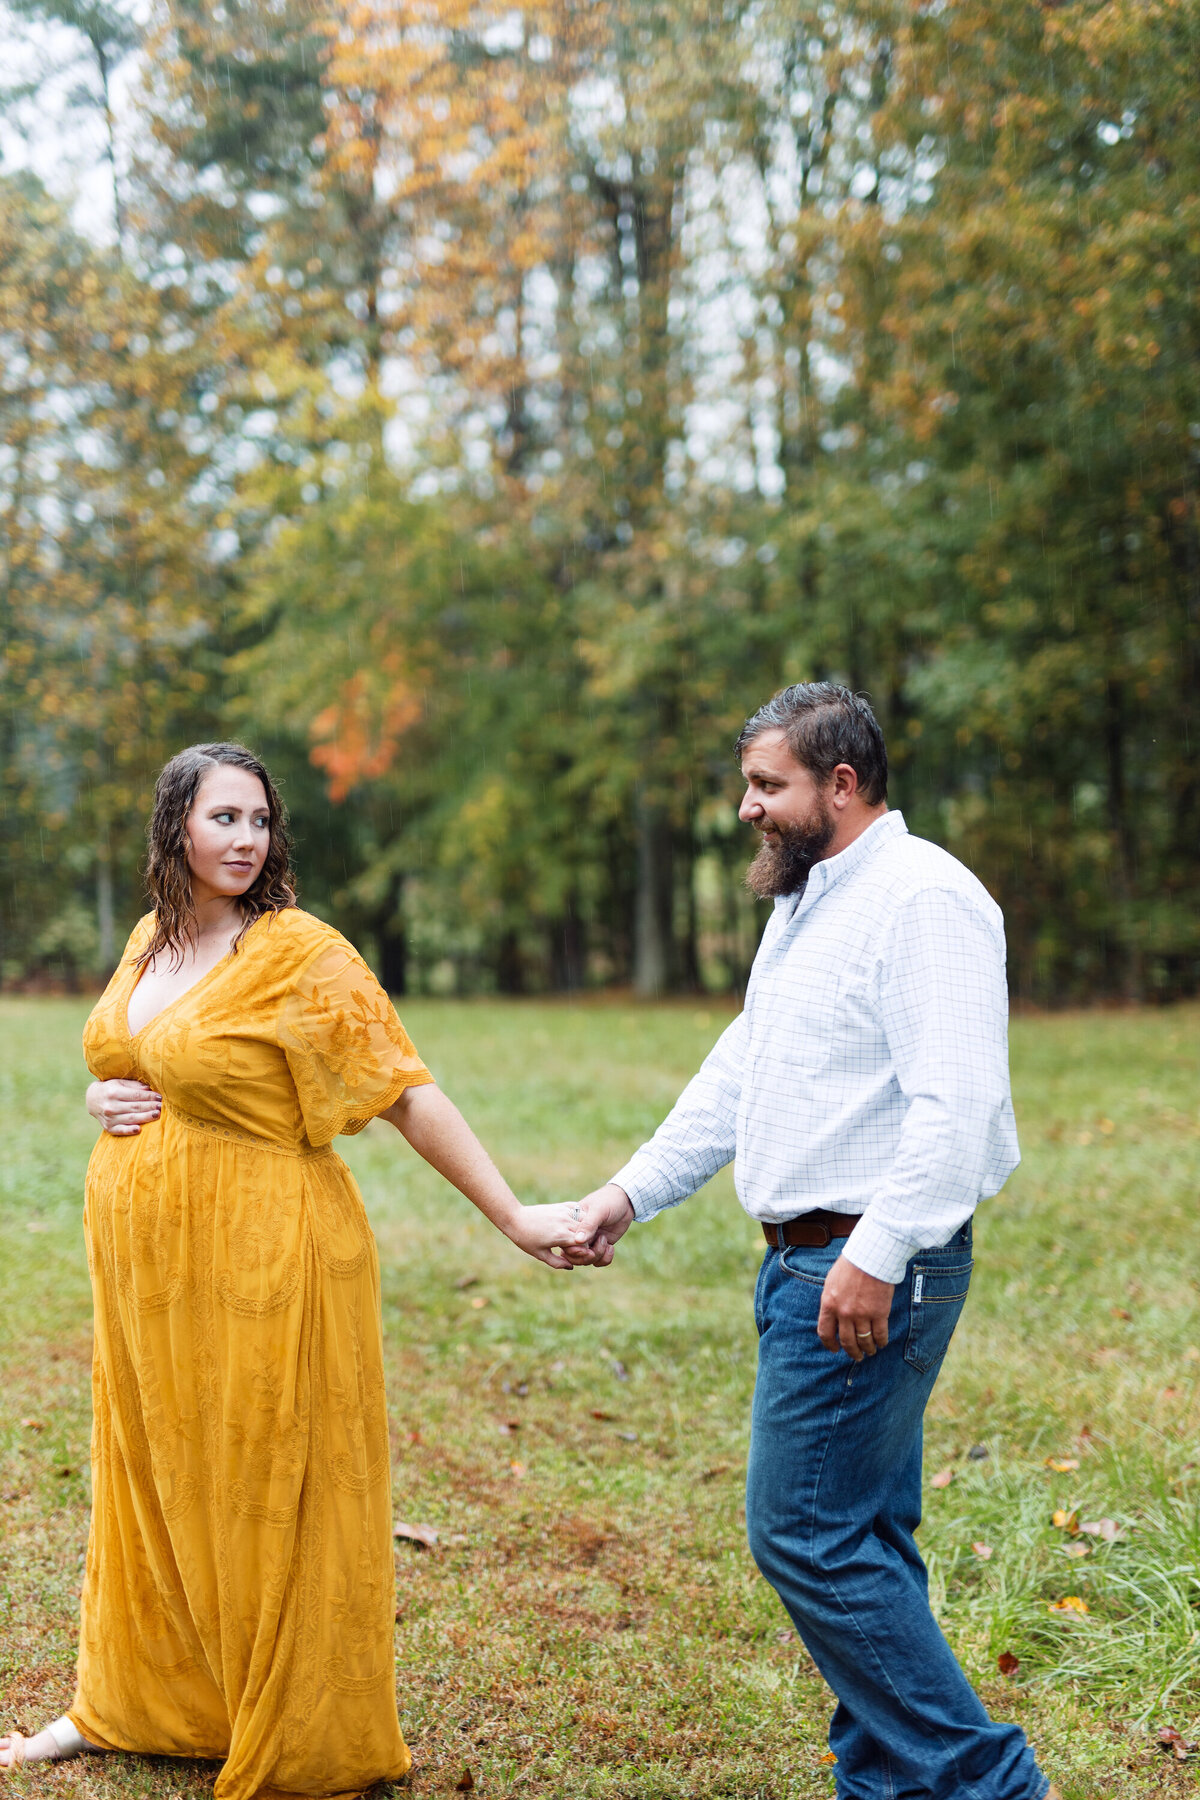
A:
<point x="480" y="410"/>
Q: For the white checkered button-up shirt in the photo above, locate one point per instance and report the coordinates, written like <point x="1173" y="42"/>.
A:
<point x="868" y="1071"/>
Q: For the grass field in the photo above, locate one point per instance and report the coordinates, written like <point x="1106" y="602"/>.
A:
<point x="589" y="1623"/>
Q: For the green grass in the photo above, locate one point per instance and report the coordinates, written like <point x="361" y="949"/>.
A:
<point x="590" y="1622"/>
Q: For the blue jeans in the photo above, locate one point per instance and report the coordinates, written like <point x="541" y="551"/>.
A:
<point x="833" y="1499"/>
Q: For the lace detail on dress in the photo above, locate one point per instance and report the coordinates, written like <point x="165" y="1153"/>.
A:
<point x="349" y="1055"/>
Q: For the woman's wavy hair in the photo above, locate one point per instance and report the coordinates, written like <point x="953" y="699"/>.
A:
<point x="168" y="876"/>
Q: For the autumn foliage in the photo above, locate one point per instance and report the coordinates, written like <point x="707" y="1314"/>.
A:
<point x="486" y="408"/>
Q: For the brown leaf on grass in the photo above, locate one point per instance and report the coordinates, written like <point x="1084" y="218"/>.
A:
<point x="1121" y="1312"/>
<point x="1070" y="1603"/>
<point x="598" y="1413"/>
<point x="466" y="1281"/>
<point x="33" y="1424"/>
<point x="518" y="1469"/>
<point x="1008" y="1664"/>
<point x="416" y="1534"/>
<point x="1174" y="1741"/>
<point x="711" y="1475"/>
<point x="465" y="1783"/>
<point x="942" y="1479"/>
<point x="479" y="1301"/>
<point x="509" y="1427"/>
<point x="1077" y="1550"/>
<point x="828" y="1757"/>
<point x="1062" y="1465"/>
<point x="1108" y="1529"/>
<point x="1062" y="1520"/>
<point x="983" y="1551"/>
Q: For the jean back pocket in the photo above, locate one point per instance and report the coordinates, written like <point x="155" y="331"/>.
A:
<point x="936" y="1300"/>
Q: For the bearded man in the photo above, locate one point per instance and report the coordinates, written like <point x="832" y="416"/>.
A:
<point x="864" y="1092"/>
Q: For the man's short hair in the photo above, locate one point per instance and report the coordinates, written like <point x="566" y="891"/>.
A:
<point x="825" y="725"/>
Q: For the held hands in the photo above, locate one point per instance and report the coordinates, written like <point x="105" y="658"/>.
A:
<point x="609" y="1214"/>
<point x="123" y="1107"/>
<point x="854" y="1311"/>
<point x="560" y="1235"/>
<point x="578" y="1235"/>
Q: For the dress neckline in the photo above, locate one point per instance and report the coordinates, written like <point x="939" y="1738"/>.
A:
<point x="200" y="981"/>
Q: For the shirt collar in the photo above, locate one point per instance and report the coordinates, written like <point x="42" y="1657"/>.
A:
<point x="832" y="869"/>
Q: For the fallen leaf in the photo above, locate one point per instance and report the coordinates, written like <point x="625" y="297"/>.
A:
<point x="518" y="1469"/>
<point x="597" y="1414"/>
<point x="414" y="1437"/>
<point x="465" y="1784"/>
<point x="61" y="1472"/>
<point x="1108" y="1529"/>
<point x="942" y="1479"/>
<point x="1008" y="1664"/>
<point x="1065" y="1521"/>
<point x="509" y="1427"/>
<point x="1121" y="1312"/>
<point x="711" y="1475"/>
<point x="466" y="1281"/>
<point x="1070" y="1603"/>
<point x="1175" y="1742"/>
<point x="479" y="1301"/>
<point x="416" y="1534"/>
<point x="828" y="1757"/>
<point x="1107" y="1127"/>
<point x="983" y="1551"/>
<point x="1062" y="1464"/>
<point x="1077" y="1550"/>
<point x="33" y="1424"/>
<point x="1170" y="1393"/>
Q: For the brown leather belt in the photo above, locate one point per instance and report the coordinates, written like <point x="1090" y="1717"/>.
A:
<point x="813" y="1230"/>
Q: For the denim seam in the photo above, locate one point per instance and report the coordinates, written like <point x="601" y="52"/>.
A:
<point x="970" y="1792"/>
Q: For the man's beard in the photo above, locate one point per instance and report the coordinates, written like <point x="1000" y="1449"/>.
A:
<point x="785" y="859"/>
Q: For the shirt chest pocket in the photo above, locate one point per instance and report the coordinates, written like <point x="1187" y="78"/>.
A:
<point x="802" y="1024"/>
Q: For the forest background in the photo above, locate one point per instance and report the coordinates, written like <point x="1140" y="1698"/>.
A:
<point x="480" y="409"/>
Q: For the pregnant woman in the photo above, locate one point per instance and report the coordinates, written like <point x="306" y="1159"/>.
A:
<point x="238" y="1594"/>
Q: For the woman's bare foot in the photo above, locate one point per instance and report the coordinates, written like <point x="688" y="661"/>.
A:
<point x="57" y="1743"/>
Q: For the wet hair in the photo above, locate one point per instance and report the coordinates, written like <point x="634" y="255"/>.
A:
<point x="825" y="725"/>
<point x="168" y="877"/>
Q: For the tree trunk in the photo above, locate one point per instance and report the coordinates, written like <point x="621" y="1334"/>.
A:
<point x="105" y="930"/>
<point x="393" y="941"/>
<point x="687" y="948"/>
<point x="653" y="904"/>
<point x="1122" y="838"/>
<point x="510" y="965"/>
<point x="568" y="950"/>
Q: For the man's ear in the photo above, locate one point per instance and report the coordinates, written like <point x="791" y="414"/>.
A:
<point x="845" y="785"/>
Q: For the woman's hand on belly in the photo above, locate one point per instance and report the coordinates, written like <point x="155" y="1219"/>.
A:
<point x="123" y="1107"/>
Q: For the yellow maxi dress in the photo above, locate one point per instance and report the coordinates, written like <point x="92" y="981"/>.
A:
<point x="238" y="1597"/>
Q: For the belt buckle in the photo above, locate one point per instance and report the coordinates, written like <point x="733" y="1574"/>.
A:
<point x="826" y="1239"/>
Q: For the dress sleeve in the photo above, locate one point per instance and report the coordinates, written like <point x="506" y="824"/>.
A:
<point x="349" y="1055"/>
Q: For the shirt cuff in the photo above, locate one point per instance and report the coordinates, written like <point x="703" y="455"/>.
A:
<point x="648" y="1189"/>
<point x="877" y="1251"/>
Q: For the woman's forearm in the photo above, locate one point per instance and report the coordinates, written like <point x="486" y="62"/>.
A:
<point x="437" y="1131"/>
